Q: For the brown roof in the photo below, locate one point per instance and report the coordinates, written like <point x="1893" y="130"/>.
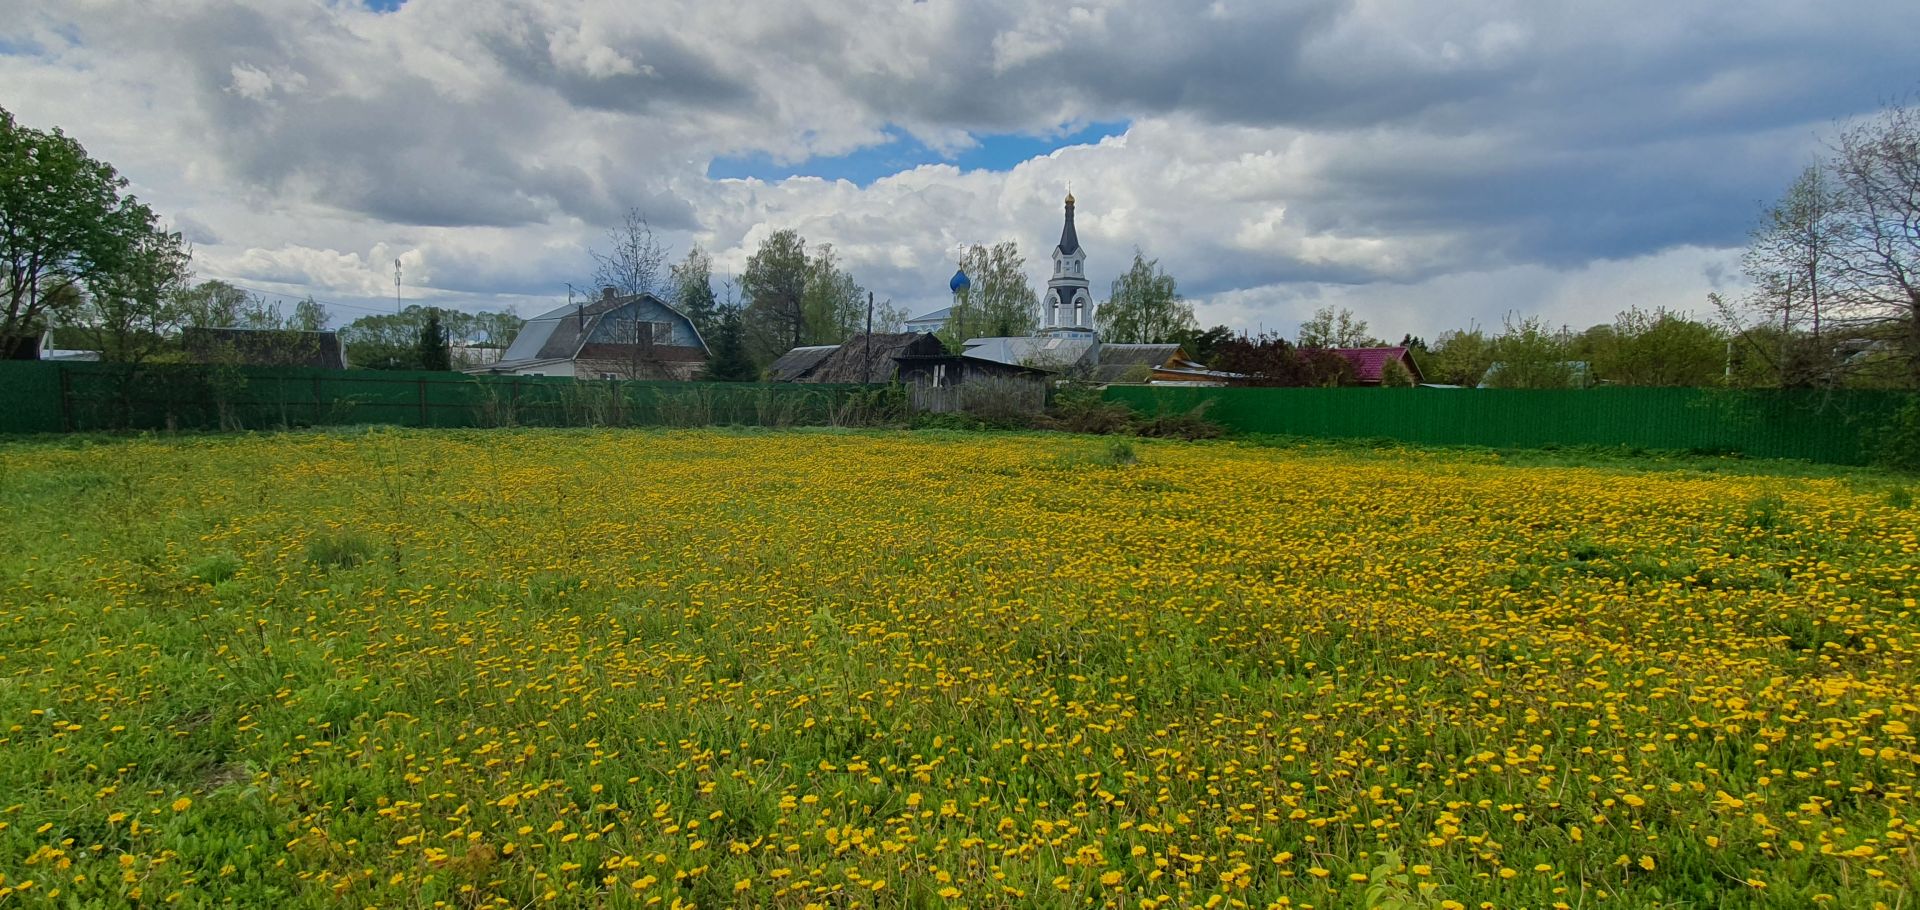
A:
<point x="858" y="361"/>
<point x="265" y="347"/>
<point x="1123" y="361"/>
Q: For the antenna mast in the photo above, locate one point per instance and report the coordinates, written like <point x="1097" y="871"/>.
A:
<point x="396" y="287"/>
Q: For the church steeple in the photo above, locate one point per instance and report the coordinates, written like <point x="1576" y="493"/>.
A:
<point x="1069" y="241"/>
<point x="1068" y="306"/>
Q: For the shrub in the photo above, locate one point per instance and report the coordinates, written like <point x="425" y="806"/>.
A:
<point x="1119" y="454"/>
<point x="1079" y="408"/>
<point x="1189" y="424"/>
<point x="1003" y="403"/>
<point x="339" y="549"/>
<point x="216" y="568"/>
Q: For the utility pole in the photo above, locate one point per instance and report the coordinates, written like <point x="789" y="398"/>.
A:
<point x="396" y="287"/>
<point x="866" y="371"/>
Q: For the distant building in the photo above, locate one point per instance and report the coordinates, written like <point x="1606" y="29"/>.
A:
<point x="264" y="347"/>
<point x="935" y="321"/>
<point x="860" y="359"/>
<point x="1065" y="347"/>
<point x="638" y="336"/>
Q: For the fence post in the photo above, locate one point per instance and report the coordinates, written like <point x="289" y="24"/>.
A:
<point x="316" y="401"/>
<point x="66" y="399"/>
<point x="421" y="384"/>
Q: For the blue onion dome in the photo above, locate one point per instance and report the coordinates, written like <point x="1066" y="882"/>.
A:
<point x="959" y="282"/>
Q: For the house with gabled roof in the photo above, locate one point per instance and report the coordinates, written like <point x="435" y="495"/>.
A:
<point x="1370" y="364"/>
<point x="633" y="336"/>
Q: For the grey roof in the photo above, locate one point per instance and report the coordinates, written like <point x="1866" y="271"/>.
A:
<point x="859" y="361"/>
<point x="559" y="333"/>
<point x="1054" y="354"/>
<point x="1069" y="241"/>
<point x="1116" y="361"/>
<point x="939" y="315"/>
<point x="794" y="365"/>
<point x="265" y="347"/>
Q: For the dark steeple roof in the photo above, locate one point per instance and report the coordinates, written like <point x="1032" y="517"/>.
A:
<point x="1069" y="241"/>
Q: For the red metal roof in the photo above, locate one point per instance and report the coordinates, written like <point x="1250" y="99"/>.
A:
<point x="1369" y="362"/>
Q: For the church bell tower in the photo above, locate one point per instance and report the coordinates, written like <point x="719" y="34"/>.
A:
<point x="1067" y="308"/>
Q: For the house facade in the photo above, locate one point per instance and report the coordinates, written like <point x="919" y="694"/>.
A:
<point x="635" y="336"/>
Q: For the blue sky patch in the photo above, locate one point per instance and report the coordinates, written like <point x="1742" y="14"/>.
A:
<point x="995" y="152"/>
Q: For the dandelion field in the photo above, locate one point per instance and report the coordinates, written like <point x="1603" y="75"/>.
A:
<point x="810" y="669"/>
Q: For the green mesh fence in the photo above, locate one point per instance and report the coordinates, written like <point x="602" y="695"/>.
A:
<point x="42" y="397"/>
<point x="1834" y="427"/>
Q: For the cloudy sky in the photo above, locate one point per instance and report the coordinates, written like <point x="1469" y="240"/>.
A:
<point x="1426" y="164"/>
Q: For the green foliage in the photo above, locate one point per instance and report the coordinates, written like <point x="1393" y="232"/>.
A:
<point x="1529" y="355"/>
<point x="1145" y="307"/>
<point x="65" y="224"/>
<point x="691" y="286"/>
<point x="1764" y="511"/>
<point x="1656" y="348"/>
<point x="1202" y="345"/>
<point x="775" y="287"/>
<point x="1394" y="374"/>
<point x="998" y="300"/>
<point x="391" y="341"/>
<point x="727" y="357"/>
<point x="215" y="569"/>
<point x="1460" y="358"/>
<point x="1191" y="423"/>
<point x="340" y="549"/>
<point x="1080" y="407"/>
<point x="432" y="350"/>
<point x="833" y="304"/>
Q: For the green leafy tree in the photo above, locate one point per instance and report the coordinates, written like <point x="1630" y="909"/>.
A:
<point x="212" y="304"/>
<point x="308" y="316"/>
<point x="834" y="305"/>
<point x="691" y="283"/>
<point x="775" y="286"/>
<point x="1204" y="344"/>
<point x="1655" y="348"/>
<point x="433" y="352"/>
<point x="391" y="341"/>
<point x="1529" y="355"/>
<point x="131" y="314"/>
<point x="1394" y="374"/>
<point x="1328" y="328"/>
<point x="63" y="223"/>
<point x="998" y="301"/>
<point x="1459" y="357"/>
<point x="1146" y="307"/>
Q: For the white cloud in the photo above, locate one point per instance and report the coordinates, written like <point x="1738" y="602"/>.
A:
<point x="1430" y="163"/>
